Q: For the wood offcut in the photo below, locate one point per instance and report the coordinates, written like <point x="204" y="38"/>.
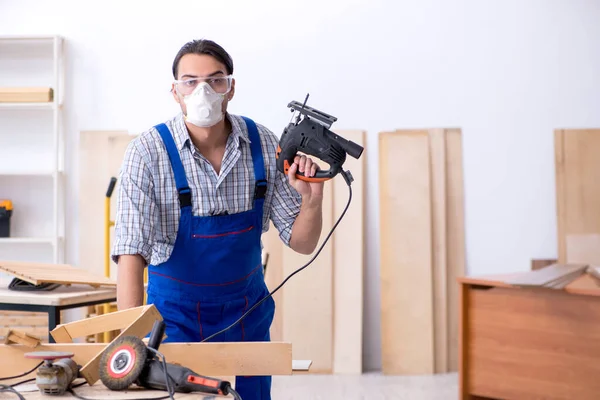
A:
<point x="38" y="273"/>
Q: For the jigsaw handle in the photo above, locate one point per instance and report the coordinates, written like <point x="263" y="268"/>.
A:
<point x="285" y="159"/>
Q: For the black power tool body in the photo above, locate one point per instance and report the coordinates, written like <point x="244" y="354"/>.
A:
<point x="127" y="360"/>
<point x="311" y="135"/>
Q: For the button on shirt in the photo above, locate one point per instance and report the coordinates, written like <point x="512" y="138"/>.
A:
<point x="148" y="207"/>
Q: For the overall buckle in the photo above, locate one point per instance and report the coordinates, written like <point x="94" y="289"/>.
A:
<point x="260" y="189"/>
<point x="185" y="197"/>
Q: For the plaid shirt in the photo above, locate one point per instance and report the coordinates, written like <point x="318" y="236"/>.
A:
<point x="148" y="210"/>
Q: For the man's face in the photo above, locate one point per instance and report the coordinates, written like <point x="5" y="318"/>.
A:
<point x="200" y="66"/>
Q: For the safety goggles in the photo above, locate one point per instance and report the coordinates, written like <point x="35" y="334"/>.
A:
<point x="220" y="84"/>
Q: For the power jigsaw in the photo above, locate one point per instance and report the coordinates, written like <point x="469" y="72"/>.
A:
<point x="311" y="135"/>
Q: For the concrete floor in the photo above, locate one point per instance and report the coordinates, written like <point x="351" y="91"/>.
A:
<point x="369" y="386"/>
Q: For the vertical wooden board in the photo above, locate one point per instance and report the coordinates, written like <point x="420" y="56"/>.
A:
<point x="348" y="264"/>
<point x="578" y="192"/>
<point x="273" y="246"/>
<point x="559" y="166"/>
<point x="405" y="240"/>
<point x="455" y="239"/>
<point x="100" y="157"/>
<point x="438" y="207"/>
<point x="583" y="249"/>
<point x="307" y="299"/>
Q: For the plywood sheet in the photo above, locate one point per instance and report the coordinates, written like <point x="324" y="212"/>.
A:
<point x="273" y="248"/>
<point x="38" y="273"/>
<point x="406" y="257"/>
<point x="100" y="158"/>
<point x="583" y="249"/>
<point x="455" y="238"/>
<point x="577" y="188"/>
<point x="348" y="263"/>
<point x="307" y="299"/>
<point x="437" y="146"/>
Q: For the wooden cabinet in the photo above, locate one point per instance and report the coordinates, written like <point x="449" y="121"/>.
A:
<point x="529" y="343"/>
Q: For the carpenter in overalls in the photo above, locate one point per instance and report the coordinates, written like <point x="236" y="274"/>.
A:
<point x="195" y="195"/>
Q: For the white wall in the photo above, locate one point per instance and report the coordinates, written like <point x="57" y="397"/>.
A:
<point x="507" y="72"/>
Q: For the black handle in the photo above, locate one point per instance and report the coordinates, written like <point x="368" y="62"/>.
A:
<point x="111" y="186"/>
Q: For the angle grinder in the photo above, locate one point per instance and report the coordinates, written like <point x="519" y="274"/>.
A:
<point x="57" y="372"/>
<point x="128" y="360"/>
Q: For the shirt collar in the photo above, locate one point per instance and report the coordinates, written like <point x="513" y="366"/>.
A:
<point x="182" y="136"/>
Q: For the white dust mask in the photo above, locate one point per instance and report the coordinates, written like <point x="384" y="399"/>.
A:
<point x="204" y="106"/>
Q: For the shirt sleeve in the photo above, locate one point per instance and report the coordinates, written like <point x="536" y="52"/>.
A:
<point x="136" y="207"/>
<point x="286" y="201"/>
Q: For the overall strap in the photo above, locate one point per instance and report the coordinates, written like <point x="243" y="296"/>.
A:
<point x="260" y="186"/>
<point x="185" y="194"/>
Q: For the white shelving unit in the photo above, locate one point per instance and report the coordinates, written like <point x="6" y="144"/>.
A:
<point x="32" y="149"/>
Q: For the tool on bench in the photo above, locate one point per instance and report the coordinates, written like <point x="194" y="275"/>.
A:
<point x="128" y="360"/>
<point x="57" y="372"/>
<point x="311" y="136"/>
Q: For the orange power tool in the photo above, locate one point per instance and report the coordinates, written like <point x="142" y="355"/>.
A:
<point x="311" y="135"/>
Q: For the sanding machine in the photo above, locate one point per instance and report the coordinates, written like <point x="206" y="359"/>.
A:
<point x="58" y="371"/>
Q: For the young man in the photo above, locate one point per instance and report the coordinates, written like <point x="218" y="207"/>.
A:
<point x="195" y="195"/>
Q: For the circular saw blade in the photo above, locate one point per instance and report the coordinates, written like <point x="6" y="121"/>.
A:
<point x="122" y="362"/>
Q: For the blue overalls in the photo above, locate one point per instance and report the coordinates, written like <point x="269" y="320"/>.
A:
<point x="215" y="273"/>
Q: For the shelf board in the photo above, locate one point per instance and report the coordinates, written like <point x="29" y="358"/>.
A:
<point x="46" y="173"/>
<point x="29" y="37"/>
<point x="27" y="106"/>
<point x="26" y="240"/>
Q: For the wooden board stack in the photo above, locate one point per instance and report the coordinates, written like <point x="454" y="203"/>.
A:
<point x="422" y="249"/>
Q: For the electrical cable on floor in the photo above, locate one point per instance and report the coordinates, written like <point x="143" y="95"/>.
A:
<point x="349" y="179"/>
<point x="8" y="388"/>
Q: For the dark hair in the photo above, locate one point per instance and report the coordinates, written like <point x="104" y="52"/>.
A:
<point x="204" y="46"/>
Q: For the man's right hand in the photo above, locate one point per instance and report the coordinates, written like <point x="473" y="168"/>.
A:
<point x="130" y="281"/>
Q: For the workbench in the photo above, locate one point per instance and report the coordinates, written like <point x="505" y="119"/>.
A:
<point x="98" y="391"/>
<point x="529" y="342"/>
<point x="54" y="301"/>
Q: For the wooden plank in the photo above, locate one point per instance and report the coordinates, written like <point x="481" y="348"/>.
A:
<point x="37" y="273"/>
<point x="273" y="247"/>
<point x="140" y="327"/>
<point x="577" y="189"/>
<point x="100" y="158"/>
<point x="22" y="337"/>
<point x="307" y="299"/>
<point x="26" y="94"/>
<point x="437" y="144"/>
<point x="539" y="263"/>
<point x="455" y="239"/>
<point x="98" y="324"/>
<point x="583" y="249"/>
<point x="406" y="259"/>
<point x="214" y="359"/>
<point x="62" y="296"/>
<point x="348" y="264"/>
<point x="547" y="275"/>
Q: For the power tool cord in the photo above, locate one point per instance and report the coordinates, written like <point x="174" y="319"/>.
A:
<point x="23" y="374"/>
<point x="349" y="179"/>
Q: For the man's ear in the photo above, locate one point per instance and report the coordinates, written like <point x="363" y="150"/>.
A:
<point x="232" y="91"/>
<point x="174" y="93"/>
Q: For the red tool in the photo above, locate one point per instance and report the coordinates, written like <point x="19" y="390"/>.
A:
<point x="127" y="360"/>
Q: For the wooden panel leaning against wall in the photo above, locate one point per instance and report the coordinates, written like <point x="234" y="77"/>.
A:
<point x="422" y="249"/>
<point x="577" y="189"/>
<point x="326" y="298"/>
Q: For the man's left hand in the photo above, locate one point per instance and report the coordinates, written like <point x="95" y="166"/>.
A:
<point x="308" y="190"/>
